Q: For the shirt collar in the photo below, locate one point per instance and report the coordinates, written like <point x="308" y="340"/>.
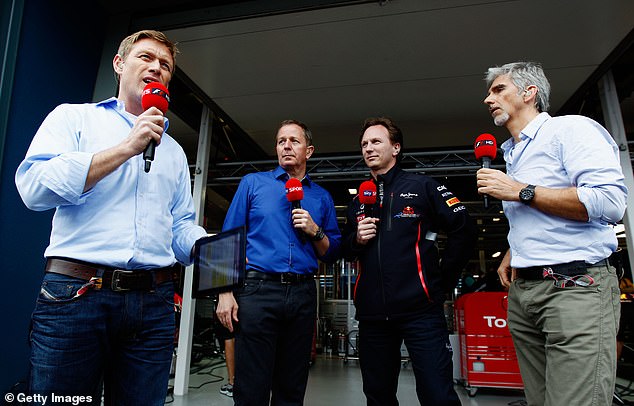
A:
<point x="533" y="127"/>
<point x="388" y="176"/>
<point x="119" y="107"/>
<point x="530" y="131"/>
<point x="110" y="101"/>
<point x="281" y="174"/>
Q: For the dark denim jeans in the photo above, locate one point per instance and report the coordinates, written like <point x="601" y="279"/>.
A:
<point x="121" y="341"/>
<point x="273" y="342"/>
<point x="427" y="340"/>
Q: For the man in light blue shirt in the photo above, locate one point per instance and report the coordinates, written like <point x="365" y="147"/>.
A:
<point x="562" y="193"/>
<point x="105" y="309"/>
<point x="274" y="314"/>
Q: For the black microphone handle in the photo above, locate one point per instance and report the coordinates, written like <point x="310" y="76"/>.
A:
<point x="486" y="163"/>
<point x="368" y="210"/>
<point x="297" y="204"/>
<point x="148" y="155"/>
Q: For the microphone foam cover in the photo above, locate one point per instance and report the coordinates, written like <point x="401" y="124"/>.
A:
<point x="367" y="192"/>
<point x="294" y="190"/>
<point x="155" y="95"/>
<point x="485" y="146"/>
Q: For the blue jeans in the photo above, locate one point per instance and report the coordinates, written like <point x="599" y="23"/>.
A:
<point x="273" y="342"/>
<point x="427" y="340"/>
<point x="121" y="341"/>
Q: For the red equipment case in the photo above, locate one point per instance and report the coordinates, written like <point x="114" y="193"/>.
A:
<point x="487" y="354"/>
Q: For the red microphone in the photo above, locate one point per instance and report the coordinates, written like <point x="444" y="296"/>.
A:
<point x="295" y="194"/>
<point x="367" y="197"/>
<point x="154" y="95"/>
<point x="485" y="149"/>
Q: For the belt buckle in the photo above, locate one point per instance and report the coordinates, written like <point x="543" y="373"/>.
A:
<point x="114" y="284"/>
<point x="285" y="278"/>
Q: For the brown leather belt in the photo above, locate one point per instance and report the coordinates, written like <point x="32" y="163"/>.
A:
<point x="118" y="280"/>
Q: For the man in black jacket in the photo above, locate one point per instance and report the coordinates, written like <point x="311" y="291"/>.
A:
<point x="403" y="281"/>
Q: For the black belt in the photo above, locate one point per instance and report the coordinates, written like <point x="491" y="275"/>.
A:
<point x="284" y="278"/>
<point x="573" y="268"/>
<point x="118" y="280"/>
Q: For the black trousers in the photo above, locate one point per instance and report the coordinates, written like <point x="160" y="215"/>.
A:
<point x="427" y="340"/>
<point x="274" y="338"/>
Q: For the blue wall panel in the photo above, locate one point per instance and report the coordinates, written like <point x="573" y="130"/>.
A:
<point x="58" y="56"/>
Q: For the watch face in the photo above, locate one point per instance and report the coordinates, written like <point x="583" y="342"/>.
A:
<point x="527" y="194"/>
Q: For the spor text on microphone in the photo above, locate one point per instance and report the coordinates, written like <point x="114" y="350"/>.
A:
<point x="367" y="197"/>
<point x="154" y="95"/>
<point x="485" y="149"/>
<point x="295" y="194"/>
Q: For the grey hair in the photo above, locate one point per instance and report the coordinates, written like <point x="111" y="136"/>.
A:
<point x="524" y="74"/>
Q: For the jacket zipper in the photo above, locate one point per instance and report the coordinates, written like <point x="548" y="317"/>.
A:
<point x="381" y="216"/>
<point x="389" y="212"/>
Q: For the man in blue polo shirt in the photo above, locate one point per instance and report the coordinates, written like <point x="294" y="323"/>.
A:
<point x="274" y="313"/>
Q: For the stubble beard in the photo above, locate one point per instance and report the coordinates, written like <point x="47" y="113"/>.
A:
<point x="501" y="119"/>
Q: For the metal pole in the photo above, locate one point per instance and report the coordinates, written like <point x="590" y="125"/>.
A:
<point x="614" y="124"/>
<point x="183" y="356"/>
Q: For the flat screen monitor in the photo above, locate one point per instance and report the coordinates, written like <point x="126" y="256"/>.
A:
<point x="219" y="262"/>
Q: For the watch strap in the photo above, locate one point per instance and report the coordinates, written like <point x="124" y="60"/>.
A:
<point x="319" y="235"/>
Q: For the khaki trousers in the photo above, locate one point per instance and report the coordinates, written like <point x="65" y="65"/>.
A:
<point x="565" y="339"/>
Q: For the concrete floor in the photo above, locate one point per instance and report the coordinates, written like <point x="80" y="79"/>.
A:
<point x="331" y="382"/>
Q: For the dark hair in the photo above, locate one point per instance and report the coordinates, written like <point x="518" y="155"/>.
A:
<point x="307" y="134"/>
<point x="396" y="136"/>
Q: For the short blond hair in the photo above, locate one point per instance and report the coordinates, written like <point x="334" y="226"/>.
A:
<point x="130" y="40"/>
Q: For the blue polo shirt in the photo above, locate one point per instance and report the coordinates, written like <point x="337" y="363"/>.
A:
<point x="273" y="245"/>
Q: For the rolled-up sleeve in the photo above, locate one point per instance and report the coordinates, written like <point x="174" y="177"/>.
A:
<point x="605" y="203"/>
<point x="592" y="162"/>
<point x="53" y="172"/>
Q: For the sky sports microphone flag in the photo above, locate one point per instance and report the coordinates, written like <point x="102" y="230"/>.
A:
<point x="367" y="197"/>
<point x="295" y="194"/>
<point x="485" y="149"/>
<point x="154" y="95"/>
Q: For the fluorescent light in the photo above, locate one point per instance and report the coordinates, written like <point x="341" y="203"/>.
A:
<point x="619" y="228"/>
<point x="352" y="191"/>
<point x="496" y="219"/>
<point x="497" y="254"/>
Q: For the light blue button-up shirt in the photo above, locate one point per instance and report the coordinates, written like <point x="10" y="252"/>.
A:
<point x="560" y="152"/>
<point x="130" y="219"/>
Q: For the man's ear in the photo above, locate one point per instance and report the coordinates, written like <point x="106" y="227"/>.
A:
<point x="396" y="149"/>
<point x="117" y="64"/>
<point x="530" y="92"/>
<point x="309" y="151"/>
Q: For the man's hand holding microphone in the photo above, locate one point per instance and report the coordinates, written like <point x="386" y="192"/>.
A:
<point x="367" y="226"/>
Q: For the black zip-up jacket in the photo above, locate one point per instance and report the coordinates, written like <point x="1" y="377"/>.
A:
<point x="401" y="274"/>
